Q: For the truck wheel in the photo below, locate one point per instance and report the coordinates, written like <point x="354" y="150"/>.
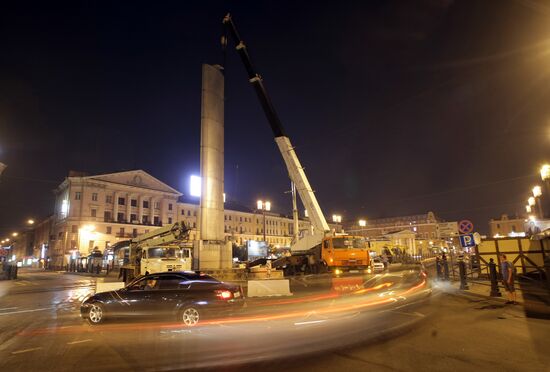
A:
<point x="190" y="316"/>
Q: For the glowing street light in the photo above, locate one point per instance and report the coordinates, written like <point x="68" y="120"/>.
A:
<point x="336" y="218"/>
<point x="537" y="191"/>
<point x="545" y="172"/>
<point x="263" y="206"/>
<point x="30" y="221"/>
<point x="362" y="223"/>
<point x="528" y="209"/>
<point x="531" y="201"/>
<point x="14" y="234"/>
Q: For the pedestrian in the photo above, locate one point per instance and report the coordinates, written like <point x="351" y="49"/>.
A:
<point x="385" y="261"/>
<point x="438" y="267"/>
<point x="507" y="272"/>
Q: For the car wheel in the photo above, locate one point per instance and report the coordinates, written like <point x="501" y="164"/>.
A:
<point x="190" y="316"/>
<point x="96" y="314"/>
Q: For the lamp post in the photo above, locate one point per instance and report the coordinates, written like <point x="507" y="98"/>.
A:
<point x="264" y="206"/>
<point x="336" y="218"/>
<point x="545" y="177"/>
<point x="362" y="223"/>
<point x="537" y="193"/>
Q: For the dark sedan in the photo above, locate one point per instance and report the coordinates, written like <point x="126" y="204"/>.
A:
<point x="187" y="296"/>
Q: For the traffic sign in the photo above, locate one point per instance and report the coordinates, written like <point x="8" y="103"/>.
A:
<point x="467" y="241"/>
<point x="465" y="226"/>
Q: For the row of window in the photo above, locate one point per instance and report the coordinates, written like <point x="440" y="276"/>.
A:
<point x="122" y="201"/>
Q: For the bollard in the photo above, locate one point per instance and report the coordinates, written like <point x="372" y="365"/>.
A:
<point x="462" y="273"/>
<point x="438" y="268"/>
<point x="98" y="269"/>
<point x="494" y="279"/>
<point x="445" y="269"/>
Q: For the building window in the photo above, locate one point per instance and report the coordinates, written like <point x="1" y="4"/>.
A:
<point x="133" y="217"/>
<point x="189" y="213"/>
<point x="133" y="202"/>
<point x="109" y="229"/>
<point x="169" y="206"/>
<point x="120" y="217"/>
<point x="229" y="218"/>
<point x="145" y="219"/>
<point x="121" y="201"/>
<point x="94" y="196"/>
<point x="145" y="204"/>
<point x="183" y="212"/>
<point x="498" y="225"/>
<point x="77" y="195"/>
<point x="169" y="220"/>
<point x="194" y="224"/>
<point x="74" y="229"/>
<point x="157" y="205"/>
<point x="225" y="217"/>
<point x="94" y="212"/>
<point x="107" y="216"/>
<point x="156" y="220"/>
<point x="134" y="233"/>
<point x="195" y="213"/>
<point x="513" y="228"/>
<point x="109" y="199"/>
<point x="121" y="231"/>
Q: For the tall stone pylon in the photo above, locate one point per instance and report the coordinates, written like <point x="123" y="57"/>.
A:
<point x="213" y="251"/>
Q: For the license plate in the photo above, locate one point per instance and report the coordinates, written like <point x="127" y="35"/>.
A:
<point x="354" y="271"/>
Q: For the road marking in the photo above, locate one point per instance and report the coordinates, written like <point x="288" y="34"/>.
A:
<point x="25" y="311"/>
<point x="26" y="350"/>
<point x="9" y="308"/>
<point x="310" y="322"/>
<point x="79" y="342"/>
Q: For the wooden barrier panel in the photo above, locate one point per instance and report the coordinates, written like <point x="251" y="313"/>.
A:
<point x="527" y="255"/>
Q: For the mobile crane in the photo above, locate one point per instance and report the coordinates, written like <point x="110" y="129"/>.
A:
<point x="316" y="250"/>
<point x="164" y="249"/>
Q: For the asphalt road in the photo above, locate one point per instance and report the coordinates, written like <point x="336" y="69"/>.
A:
<point x="40" y="329"/>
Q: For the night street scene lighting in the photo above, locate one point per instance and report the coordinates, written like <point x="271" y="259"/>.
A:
<point x="146" y="221"/>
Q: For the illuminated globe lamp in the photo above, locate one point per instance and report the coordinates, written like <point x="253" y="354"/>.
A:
<point x="545" y="172"/>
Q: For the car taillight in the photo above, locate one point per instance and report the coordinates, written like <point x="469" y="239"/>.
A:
<point x="224" y="294"/>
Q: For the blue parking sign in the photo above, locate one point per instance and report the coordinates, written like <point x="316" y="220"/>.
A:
<point x="467" y="241"/>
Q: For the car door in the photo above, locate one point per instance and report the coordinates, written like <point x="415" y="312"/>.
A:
<point x="171" y="291"/>
<point x="133" y="298"/>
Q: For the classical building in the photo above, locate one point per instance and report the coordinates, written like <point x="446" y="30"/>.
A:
<point x="409" y="232"/>
<point x="99" y="210"/>
<point x="507" y="227"/>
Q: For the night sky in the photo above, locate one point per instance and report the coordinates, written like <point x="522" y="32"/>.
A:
<point x="395" y="107"/>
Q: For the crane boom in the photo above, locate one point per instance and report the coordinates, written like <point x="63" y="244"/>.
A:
<point x="295" y="169"/>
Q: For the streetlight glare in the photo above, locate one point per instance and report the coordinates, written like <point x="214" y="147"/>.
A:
<point x="30" y="222"/>
<point x="267" y="206"/>
<point x="528" y="208"/>
<point x="531" y="201"/>
<point x="336" y="218"/>
<point x="14" y="234"/>
<point x="545" y="172"/>
<point x="362" y="223"/>
<point x="537" y="191"/>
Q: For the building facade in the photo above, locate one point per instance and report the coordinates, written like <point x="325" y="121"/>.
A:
<point x="507" y="227"/>
<point x="98" y="211"/>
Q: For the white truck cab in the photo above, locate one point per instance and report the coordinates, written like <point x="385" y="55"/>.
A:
<point x="165" y="258"/>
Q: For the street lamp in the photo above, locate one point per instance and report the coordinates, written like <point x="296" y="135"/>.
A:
<point x="362" y="223"/>
<point x="545" y="172"/>
<point x="30" y="221"/>
<point x="14" y="234"/>
<point x="528" y="208"/>
<point x="537" y="191"/>
<point x="336" y="218"/>
<point x="531" y="201"/>
<point x="264" y="206"/>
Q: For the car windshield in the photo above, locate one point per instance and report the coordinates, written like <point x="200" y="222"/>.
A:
<point x="348" y="243"/>
<point x="163" y="252"/>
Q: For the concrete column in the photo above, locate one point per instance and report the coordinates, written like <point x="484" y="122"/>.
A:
<point x="115" y="206"/>
<point x="140" y="208"/>
<point x="152" y="209"/>
<point x="162" y="213"/>
<point x="213" y="251"/>
<point x="128" y="207"/>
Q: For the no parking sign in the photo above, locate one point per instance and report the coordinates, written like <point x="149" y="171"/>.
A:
<point x="465" y="226"/>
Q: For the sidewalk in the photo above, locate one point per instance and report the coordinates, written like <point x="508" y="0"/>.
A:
<point x="533" y="300"/>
